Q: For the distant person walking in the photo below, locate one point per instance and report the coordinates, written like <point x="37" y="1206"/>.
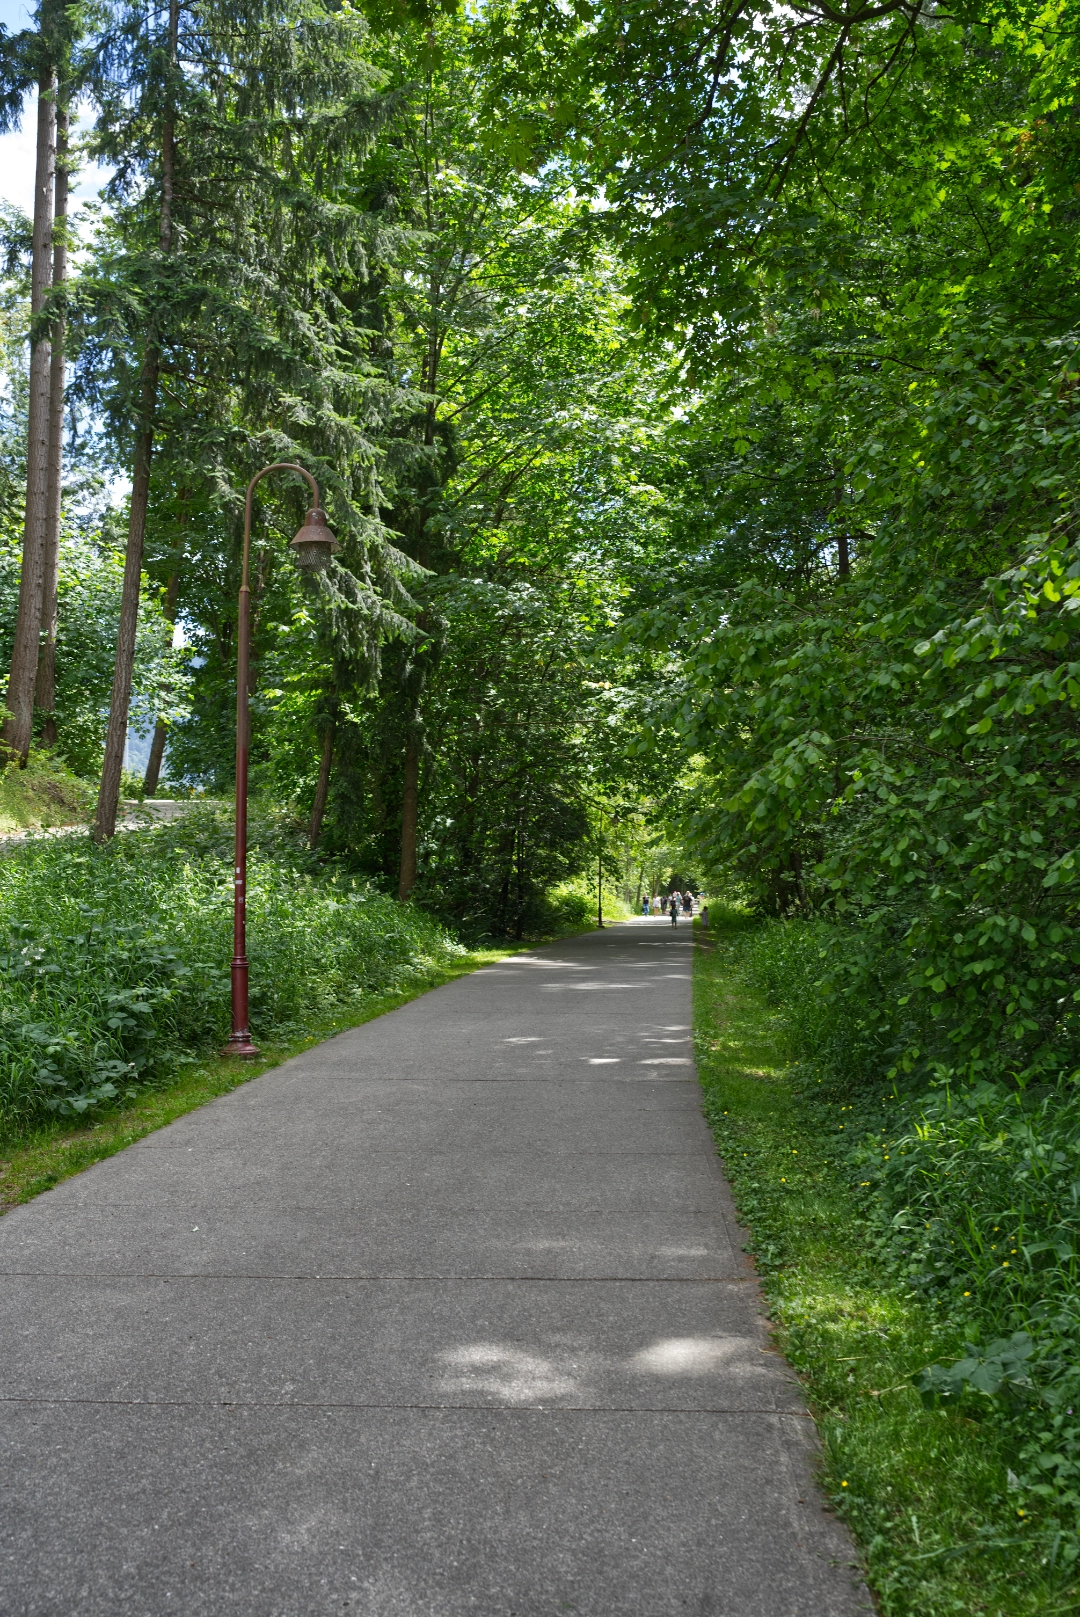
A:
<point x="675" y="909"/>
<point x="705" y="916"/>
<point x="645" y="905"/>
<point x="656" y="903"/>
<point x="688" y="903"/>
<point x="663" y="903"/>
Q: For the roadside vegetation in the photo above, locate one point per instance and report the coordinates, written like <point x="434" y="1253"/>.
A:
<point x="877" y="1219"/>
<point x="114" y="975"/>
<point x="114" y="960"/>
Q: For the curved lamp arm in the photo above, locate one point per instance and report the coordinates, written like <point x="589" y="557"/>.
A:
<point x="278" y="466"/>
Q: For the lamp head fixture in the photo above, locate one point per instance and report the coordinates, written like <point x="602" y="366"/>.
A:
<point x="314" y="544"/>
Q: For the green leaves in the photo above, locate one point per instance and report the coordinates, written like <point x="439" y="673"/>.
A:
<point x="1000" y="1370"/>
<point x="95" y="1005"/>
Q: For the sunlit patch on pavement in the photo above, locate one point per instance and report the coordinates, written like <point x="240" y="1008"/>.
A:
<point x="506" y="1373"/>
<point x="690" y="1355"/>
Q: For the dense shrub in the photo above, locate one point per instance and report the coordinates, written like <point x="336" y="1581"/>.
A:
<point x="114" y="961"/>
<point x="565" y="910"/>
<point x="832" y="1004"/>
<point x="972" y="1195"/>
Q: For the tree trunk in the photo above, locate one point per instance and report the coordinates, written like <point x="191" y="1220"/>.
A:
<point x="843" y="556"/>
<point x="45" y="693"/>
<point x="18" y="725"/>
<point x="504" y="895"/>
<point x="410" y="799"/>
<point x="520" y="865"/>
<point x="161" y="734"/>
<point x="123" y="670"/>
<point x="322" y="787"/>
<point x="153" y="763"/>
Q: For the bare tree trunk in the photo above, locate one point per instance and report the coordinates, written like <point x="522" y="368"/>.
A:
<point x="161" y="734"/>
<point x="18" y="725"/>
<point x="45" y="693"/>
<point x="153" y="763"/>
<point x="409" y="809"/>
<point x="123" y="670"/>
<point x="843" y="556"/>
<point x="519" y="860"/>
<point x="322" y="787"/>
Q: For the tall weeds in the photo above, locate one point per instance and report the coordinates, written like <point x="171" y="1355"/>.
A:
<point x="970" y="1194"/>
<point x="114" y="961"/>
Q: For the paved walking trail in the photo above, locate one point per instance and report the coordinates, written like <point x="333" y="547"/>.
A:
<point x="448" y="1315"/>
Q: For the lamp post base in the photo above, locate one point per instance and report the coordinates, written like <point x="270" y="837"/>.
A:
<point x="242" y="1045"/>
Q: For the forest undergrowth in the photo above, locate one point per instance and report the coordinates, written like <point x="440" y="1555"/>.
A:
<point x="918" y="1258"/>
<point x="114" y="960"/>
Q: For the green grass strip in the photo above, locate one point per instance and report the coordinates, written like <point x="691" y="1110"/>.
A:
<point x="41" y="1159"/>
<point x="924" y="1490"/>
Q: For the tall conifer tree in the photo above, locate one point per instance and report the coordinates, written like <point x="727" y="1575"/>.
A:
<point x="227" y="138"/>
<point x="19" y="718"/>
<point x="45" y="690"/>
<point x="116" y="736"/>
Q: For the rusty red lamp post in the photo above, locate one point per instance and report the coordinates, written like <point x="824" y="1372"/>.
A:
<point x="312" y="549"/>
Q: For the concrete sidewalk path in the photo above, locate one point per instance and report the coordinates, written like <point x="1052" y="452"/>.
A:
<point x="448" y="1315"/>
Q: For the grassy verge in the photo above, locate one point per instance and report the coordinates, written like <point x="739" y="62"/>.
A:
<point x="56" y="1150"/>
<point x="925" y="1491"/>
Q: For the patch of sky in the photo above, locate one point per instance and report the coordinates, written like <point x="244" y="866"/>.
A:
<point x="17" y="147"/>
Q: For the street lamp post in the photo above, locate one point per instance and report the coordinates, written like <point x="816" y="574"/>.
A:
<point x="312" y="549"/>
